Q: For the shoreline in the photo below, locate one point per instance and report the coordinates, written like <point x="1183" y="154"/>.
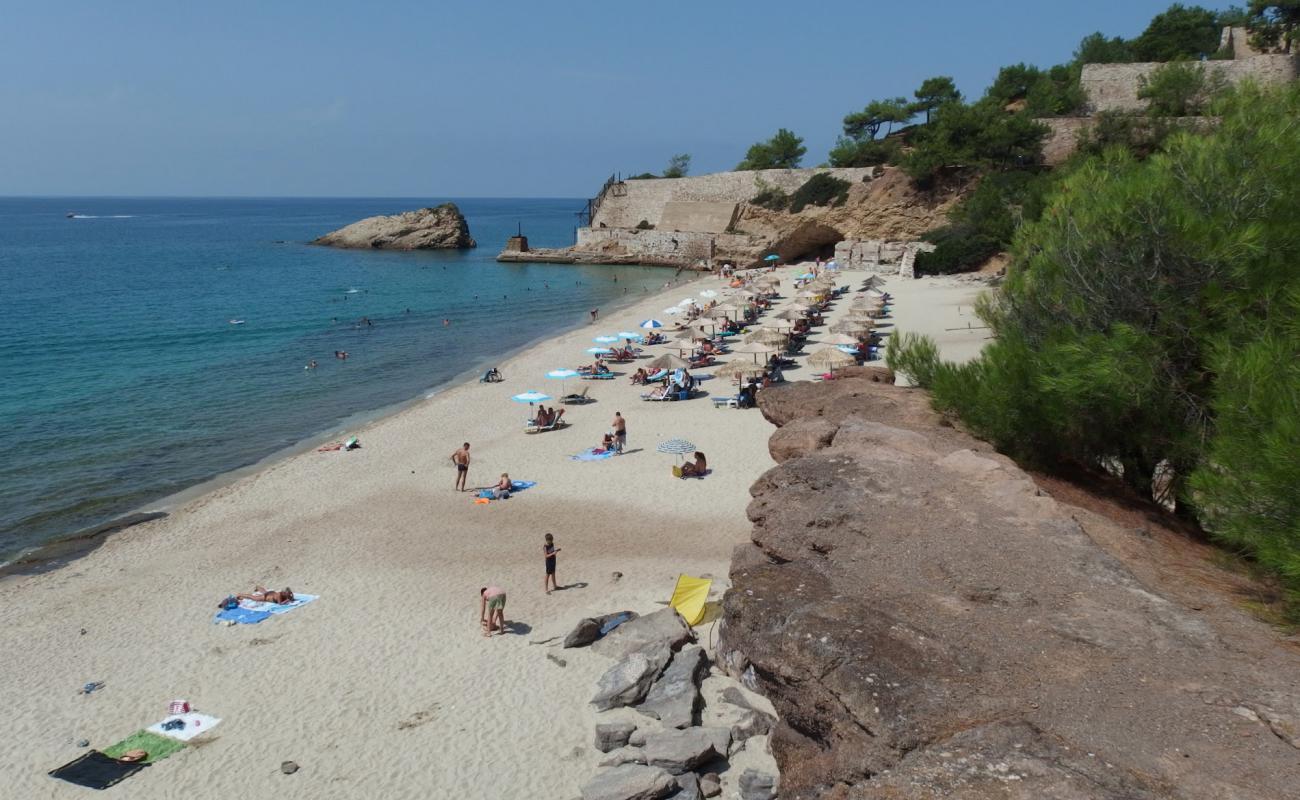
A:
<point x="68" y="548"/>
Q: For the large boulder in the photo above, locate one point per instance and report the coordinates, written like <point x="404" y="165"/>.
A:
<point x="664" y="626"/>
<point x="674" y="699"/>
<point x="681" y="751"/>
<point x="588" y="630"/>
<point x="440" y="228"/>
<point x="755" y="785"/>
<point x="689" y="784"/>
<point x="927" y="622"/>
<point x="630" y="782"/>
<point x="627" y="682"/>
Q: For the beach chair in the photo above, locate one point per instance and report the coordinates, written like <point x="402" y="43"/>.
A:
<point x="689" y="598"/>
<point x="491" y="376"/>
<point x="559" y="423"/>
<point x="727" y="402"/>
<point x="576" y="398"/>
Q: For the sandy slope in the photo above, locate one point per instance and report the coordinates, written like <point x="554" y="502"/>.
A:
<point x="385" y="687"/>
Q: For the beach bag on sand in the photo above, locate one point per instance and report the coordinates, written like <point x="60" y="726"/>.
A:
<point x="178" y="707"/>
<point x="229" y="603"/>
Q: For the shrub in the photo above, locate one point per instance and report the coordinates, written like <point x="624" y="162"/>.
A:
<point x="1178" y="89"/>
<point x="984" y="223"/>
<point x="865" y="153"/>
<point x="822" y="189"/>
<point x="769" y="196"/>
<point x="644" y="225"/>
<point x="958" y="248"/>
<point x="913" y="356"/>
<point x="783" y="151"/>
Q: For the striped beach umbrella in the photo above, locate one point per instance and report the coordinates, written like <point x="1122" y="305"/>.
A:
<point x="676" y="447"/>
<point x="651" y="324"/>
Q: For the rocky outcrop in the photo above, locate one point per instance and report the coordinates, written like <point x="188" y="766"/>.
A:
<point x="440" y="228"/>
<point x="928" y="623"/>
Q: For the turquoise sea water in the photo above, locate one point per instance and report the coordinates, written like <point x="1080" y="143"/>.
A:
<point x="125" y="381"/>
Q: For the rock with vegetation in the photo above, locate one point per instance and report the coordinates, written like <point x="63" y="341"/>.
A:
<point x="439" y="228"/>
<point x="928" y="622"/>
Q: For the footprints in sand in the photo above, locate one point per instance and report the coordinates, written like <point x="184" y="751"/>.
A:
<point x="418" y="718"/>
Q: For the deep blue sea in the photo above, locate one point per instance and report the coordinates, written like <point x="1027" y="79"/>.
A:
<point x="124" y="379"/>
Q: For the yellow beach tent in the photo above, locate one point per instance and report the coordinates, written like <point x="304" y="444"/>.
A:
<point x="689" y="596"/>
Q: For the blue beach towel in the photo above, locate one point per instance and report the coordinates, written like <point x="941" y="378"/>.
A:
<point x="515" y="488"/>
<point x="614" y="623"/>
<point x="593" y="454"/>
<point x="251" y="612"/>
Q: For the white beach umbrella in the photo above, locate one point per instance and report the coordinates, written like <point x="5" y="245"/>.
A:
<point x="605" y="339"/>
<point x="562" y="374"/>
<point x="530" y="397"/>
<point x="599" y="351"/>
<point x="690" y="301"/>
<point x="708" y="293"/>
<point x="676" y="447"/>
<point x="651" y="324"/>
<point x="633" y="335"/>
<point x="672" y="312"/>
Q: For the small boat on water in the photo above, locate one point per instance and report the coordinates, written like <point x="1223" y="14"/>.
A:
<point x="71" y="215"/>
<point x="236" y="322"/>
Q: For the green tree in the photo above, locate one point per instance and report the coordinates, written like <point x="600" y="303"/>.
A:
<point x="866" y="124"/>
<point x="1150" y="319"/>
<point x="933" y="94"/>
<point x="1274" y="24"/>
<point x="783" y="151"/>
<point x="979" y="135"/>
<point x="1178" y="89"/>
<point x="1097" y="49"/>
<point x="1179" y="32"/>
<point x="678" y="166"/>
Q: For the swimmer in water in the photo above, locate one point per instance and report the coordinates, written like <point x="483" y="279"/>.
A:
<point x="311" y="364"/>
<point x="446" y="322"/>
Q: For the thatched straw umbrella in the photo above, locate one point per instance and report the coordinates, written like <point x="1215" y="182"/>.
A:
<point x="668" y="361"/>
<point x="851" y="327"/>
<point x="756" y="349"/>
<point x="738" y="370"/>
<point x="830" y="358"/>
<point x="768" y="336"/>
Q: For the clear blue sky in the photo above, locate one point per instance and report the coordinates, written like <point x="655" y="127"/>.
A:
<point x="389" y="98"/>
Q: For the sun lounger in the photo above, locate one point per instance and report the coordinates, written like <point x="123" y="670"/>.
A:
<point x="728" y="402"/>
<point x="597" y="376"/>
<point x="658" y="376"/>
<point x="577" y="397"/>
<point x="559" y="423"/>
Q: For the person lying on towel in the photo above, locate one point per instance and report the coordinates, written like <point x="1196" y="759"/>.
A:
<point x="262" y="595"/>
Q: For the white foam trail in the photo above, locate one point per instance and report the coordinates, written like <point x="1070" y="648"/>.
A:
<point x="106" y="216"/>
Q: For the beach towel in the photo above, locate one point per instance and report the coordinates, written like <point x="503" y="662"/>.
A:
<point x="515" y="488"/>
<point x="251" y="612"/>
<point x="689" y="597"/>
<point x="94" y="770"/>
<point x="593" y="454"/>
<point x="158" y="747"/>
<point x="613" y="623"/>
<point x="195" y="724"/>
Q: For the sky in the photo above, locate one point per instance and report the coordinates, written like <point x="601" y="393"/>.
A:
<point x="440" y="98"/>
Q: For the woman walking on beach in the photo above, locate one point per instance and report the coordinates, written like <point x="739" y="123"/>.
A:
<point x="548" y="553"/>
<point x="492" y="609"/>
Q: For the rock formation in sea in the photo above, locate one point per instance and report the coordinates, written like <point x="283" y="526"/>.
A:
<point x="439" y="228"/>
<point x="929" y="622"/>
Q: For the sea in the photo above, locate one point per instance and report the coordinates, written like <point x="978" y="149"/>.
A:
<point x="148" y="345"/>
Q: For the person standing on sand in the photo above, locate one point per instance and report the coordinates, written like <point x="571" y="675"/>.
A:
<point x="548" y="553"/>
<point x="492" y="609"/>
<point x="461" y="459"/>
<point x="595" y="314"/>
<point x="620" y="432"/>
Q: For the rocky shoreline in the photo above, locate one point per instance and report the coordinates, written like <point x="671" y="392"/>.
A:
<point x="927" y="622"/>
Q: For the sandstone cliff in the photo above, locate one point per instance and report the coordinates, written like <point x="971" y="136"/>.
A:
<point x="438" y="228"/>
<point x="929" y="623"/>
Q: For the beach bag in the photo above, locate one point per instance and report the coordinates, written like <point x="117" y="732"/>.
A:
<point x="229" y="603"/>
<point x="179" y="707"/>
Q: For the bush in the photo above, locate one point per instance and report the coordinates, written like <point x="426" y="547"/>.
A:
<point x="980" y="135"/>
<point x="822" y="189"/>
<point x="984" y="223"/>
<point x="1149" y="319"/>
<point x="958" y="248"/>
<point x="770" y="197"/>
<point x="913" y="356"/>
<point x="1178" y="89"/>
<point x="644" y="225"/>
<point x="866" y="153"/>
<point x="783" y="151"/>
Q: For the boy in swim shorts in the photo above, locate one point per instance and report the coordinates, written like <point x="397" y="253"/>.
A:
<point x="492" y="609"/>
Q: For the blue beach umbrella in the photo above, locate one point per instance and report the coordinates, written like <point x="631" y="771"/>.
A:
<point x="599" y="351"/>
<point x="772" y="257"/>
<point x="561" y="374"/>
<point x="651" y="324"/>
<point x="631" y="335"/>
<point x="531" y="396"/>
<point x="807" y="276"/>
<point x="677" y="447"/>
<point x="605" y="339"/>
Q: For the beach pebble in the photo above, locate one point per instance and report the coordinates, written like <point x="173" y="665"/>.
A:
<point x="613" y="735"/>
<point x="689" y="787"/>
<point x="83" y="743"/>
<point x="755" y="785"/>
<point x="710" y="784"/>
<point x="288" y="767"/>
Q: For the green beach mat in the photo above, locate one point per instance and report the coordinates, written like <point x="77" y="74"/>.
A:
<point x="158" y="747"/>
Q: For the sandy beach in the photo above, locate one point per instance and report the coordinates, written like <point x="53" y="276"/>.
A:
<point x="385" y="685"/>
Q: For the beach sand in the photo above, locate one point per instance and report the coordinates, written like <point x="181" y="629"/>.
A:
<point x="385" y="685"/>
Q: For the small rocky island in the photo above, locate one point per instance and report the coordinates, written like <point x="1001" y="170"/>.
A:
<point x="439" y="228"/>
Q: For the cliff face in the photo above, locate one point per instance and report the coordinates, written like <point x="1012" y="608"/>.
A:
<point x="928" y="623"/>
<point x="442" y="227"/>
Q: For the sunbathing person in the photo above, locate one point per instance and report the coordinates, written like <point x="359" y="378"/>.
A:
<point x="638" y="377"/>
<point x="696" y="468"/>
<point x="263" y="595"/>
<point x="542" y="418"/>
<point x="502" y="490"/>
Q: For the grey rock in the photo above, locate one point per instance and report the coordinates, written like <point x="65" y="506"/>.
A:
<point x="665" y="626"/>
<point x="288" y="767"/>
<point x="637" y="739"/>
<point x="624" y="755"/>
<point x="755" y="785"/>
<point x="557" y="660"/>
<point x="613" y="735"/>
<point x="630" y="782"/>
<point x="674" y="699"/>
<point x="588" y="629"/>
<point x="753" y="723"/>
<point x="83" y="743"/>
<point x="710" y="784"/>
<point x="734" y="697"/>
<point x="627" y="682"/>
<point x="443" y="227"/>
<point x="689" y="784"/>
<point x="682" y="751"/>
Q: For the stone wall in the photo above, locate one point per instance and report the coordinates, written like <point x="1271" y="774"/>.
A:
<point x="677" y="246"/>
<point x="1114" y="87"/>
<point x="699" y="217"/>
<point x="873" y="254"/>
<point x="1062" y="138"/>
<point x="628" y="203"/>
